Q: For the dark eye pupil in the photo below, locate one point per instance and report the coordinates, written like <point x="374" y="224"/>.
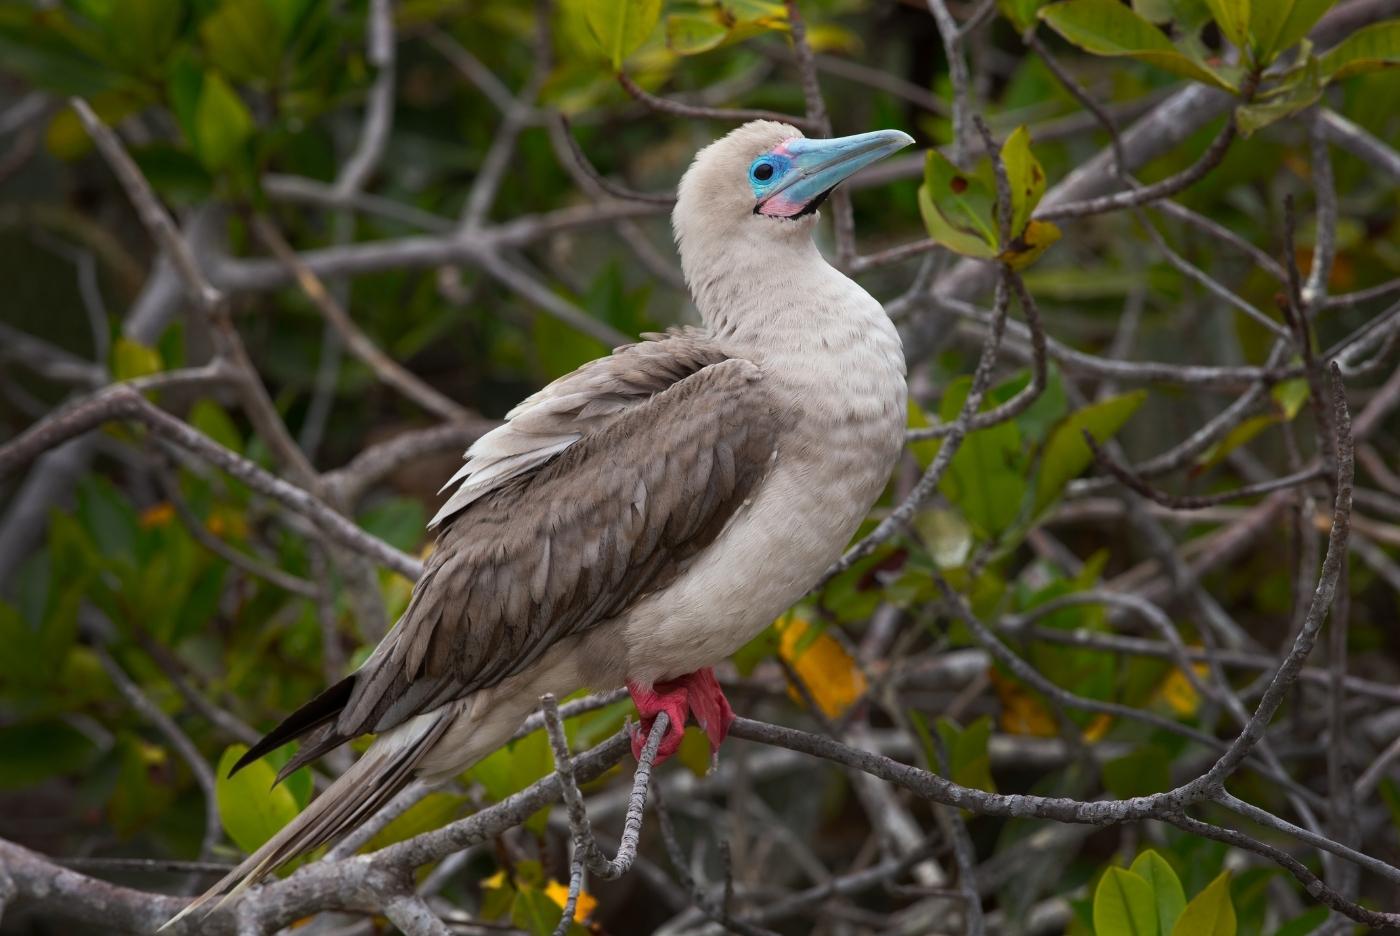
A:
<point x="763" y="172"/>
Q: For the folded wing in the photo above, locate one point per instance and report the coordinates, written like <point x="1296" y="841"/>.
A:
<point x="608" y="482"/>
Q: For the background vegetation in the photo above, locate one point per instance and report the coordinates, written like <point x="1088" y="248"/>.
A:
<point x="385" y="235"/>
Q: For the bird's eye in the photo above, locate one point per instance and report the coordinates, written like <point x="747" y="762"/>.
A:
<point x="763" y="171"/>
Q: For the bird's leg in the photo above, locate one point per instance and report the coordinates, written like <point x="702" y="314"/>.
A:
<point x="697" y="694"/>
<point x="668" y="697"/>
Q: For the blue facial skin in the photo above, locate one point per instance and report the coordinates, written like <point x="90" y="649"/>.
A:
<point x="775" y="166"/>
<point x="803" y="170"/>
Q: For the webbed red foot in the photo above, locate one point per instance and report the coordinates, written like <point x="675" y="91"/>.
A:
<point x="697" y="694"/>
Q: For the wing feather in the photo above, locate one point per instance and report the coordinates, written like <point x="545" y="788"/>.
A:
<point x="574" y="542"/>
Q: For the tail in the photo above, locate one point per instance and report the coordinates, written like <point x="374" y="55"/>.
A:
<point x="384" y="770"/>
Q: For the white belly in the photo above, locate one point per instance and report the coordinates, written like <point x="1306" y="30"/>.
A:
<point x="828" y="472"/>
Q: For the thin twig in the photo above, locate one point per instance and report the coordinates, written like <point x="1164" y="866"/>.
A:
<point x="388" y="370"/>
<point x="123" y="402"/>
<point x="593" y="858"/>
<point x="679" y="109"/>
<point x="203" y="774"/>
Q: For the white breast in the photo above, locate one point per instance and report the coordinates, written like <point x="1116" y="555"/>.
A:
<point x="841" y="368"/>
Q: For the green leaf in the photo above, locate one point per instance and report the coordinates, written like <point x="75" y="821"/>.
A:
<point x="1276" y="25"/>
<point x="1141" y="773"/>
<point x="1236" y="437"/>
<point x="513" y="768"/>
<point x="920" y="724"/>
<point x="1065" y="454"/>
<point x="969" y="762"/>
<point x="431" y="812"/>
<point x="984" y="480"/>
<point x="250" y="807"/>
<point x="621" y="26"/>
<point x="1020" y="12"/>
<point x="211" y="419"/>
<point x="1210" y="913"/>
<point x="957" y="207"/>
<point x="693" y="33"/>
<point x="1026" y="177"/>
<point x="142" y="791"/>
<point x="536" y="913"/>
<point x="1188" y="15"/>
<point x="244" y="39"/>
<point x="1375" y="47"/>
<point x="1106" y="27"/>
<point x="175" y="174"/>
<point x="141" y="32"/>
<point x="1166" y="887"/>
<point x="1302" y="17"/>
<point x="925" y="450"/>
<point x="694" y="753"/>
<point x="35" y="652"/>
<point x="1232" y="16"/>
<point x="130" y="358"/>
<point x="762" y="647"/>
<point x="1304" y="924"/>
<point x="1300" y="91"/>
<point x="184" y="85"/>
<point x="43" y="46"/>
<point x="1124" y="905"/>
<point x="1290" y="396"/>
<point x="222" y="124"/>
<point x="1390" y="795"/>
<point x="1249" y="891"/>
<point x="35" y="751"/>
<point x="399" y="521"/>
<point x="298" y="782"/>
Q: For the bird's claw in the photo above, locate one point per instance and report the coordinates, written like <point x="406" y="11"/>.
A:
<point x="709" y="706"/>
<point x="697" y="694"/>
<point x="650" y="702"/>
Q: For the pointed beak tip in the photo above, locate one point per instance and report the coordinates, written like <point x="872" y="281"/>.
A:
<point x="823" y="164"/>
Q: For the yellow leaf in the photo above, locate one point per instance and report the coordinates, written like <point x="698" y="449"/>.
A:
<point x="833" y="39"/>
<point x="559" y="893"/>
<point x="1021" y="712"/>
<point x="1097" y="728"/>
<point x="226" y="522"/>
<point x="823" y="665"/>
<point x="1178" y="693"/>
<point x="157" y="515"/>
<point x="1027" y="248"/>
<point x="130" y="359"/>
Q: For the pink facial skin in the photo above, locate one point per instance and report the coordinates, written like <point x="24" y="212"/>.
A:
<point x="780" y="206"/>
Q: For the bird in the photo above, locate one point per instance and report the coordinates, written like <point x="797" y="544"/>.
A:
<point x="640" y="519"/>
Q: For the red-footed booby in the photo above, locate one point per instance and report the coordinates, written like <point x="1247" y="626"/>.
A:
<point x="640" y="519"/>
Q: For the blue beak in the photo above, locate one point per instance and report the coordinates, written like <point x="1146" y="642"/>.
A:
<point x="818" y="166"/>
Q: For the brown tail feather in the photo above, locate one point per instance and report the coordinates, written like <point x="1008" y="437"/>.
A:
<point x="317" y="713"/>
<point x="384" y="770"/>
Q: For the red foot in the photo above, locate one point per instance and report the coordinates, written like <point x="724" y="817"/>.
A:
<point x="697" y="694"/>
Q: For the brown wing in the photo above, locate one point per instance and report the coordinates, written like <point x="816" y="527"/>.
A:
<point x="572" y="407"/>
<point x="572" y="545"/>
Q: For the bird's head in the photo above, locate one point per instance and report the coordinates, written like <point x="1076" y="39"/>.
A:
<point x="764" y="182"/>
